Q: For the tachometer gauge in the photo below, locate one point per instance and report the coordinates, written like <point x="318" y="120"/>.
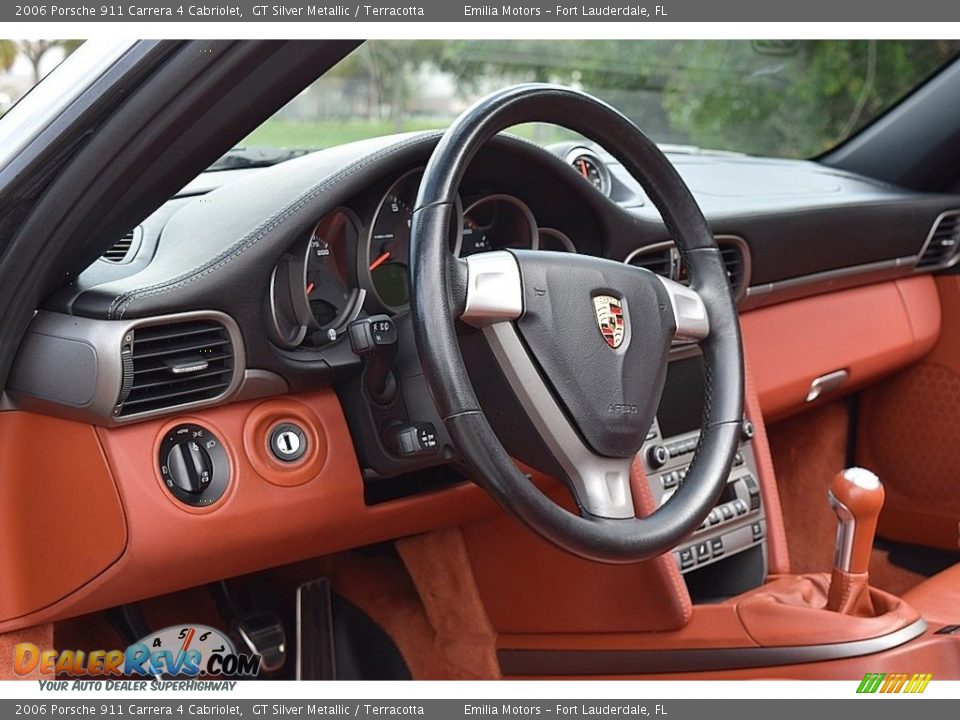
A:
<point x="497" y="222"/>
<point x="591" y="168"/>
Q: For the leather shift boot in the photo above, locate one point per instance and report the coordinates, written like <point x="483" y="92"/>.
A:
<point x="849" y="594"/>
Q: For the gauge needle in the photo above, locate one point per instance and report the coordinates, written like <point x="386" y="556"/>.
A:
<point x="583" y="168"/>
<point x="380" y="261"/>
<point x="310" y="287"/>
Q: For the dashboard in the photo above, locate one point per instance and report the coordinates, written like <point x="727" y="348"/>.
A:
<point x="231" y="338"/>
<point x="266" y="269"/>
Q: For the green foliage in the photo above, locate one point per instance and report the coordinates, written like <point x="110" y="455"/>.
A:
<point x="782" y="98"/>
<point x="795" y="106"/>
<point x="8" y="54"/>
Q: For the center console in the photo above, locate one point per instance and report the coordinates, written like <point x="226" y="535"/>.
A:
<point x="727" y="553"/>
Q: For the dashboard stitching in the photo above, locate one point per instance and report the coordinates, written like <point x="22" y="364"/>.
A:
<point x="123" y="302"/>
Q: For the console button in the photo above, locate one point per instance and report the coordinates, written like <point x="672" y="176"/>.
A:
<point x="657" y="456"/>
<point x="717" y="546"/>
<point x="726" y="512"/>
<point x="411" y="439"/>
<point x="703" y="551"/>
<point x="754" y="489"/>
<point x="686" y="558"/>
<point x="757" y="530"/>
<point x="740" y="507"/>
<point x="714" y="517"/>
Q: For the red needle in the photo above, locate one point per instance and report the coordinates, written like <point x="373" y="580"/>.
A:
<point x="380" y="261"/>
<point x="310" y="287"/>
<point x="583" y="168"/>
<point x="186" y="640"/>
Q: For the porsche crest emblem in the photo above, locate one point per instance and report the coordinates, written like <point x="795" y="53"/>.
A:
<point x="610" y="319"/>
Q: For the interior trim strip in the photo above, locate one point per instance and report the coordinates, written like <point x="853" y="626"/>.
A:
<point x="515" y="662"/>
<point x="828" y="281"/>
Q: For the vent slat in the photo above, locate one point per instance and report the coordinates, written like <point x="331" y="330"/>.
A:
<point x="173" y="348"/>
<point x="156" y="365"/>
<point x="175" y="390"/>
<point x="158" y="348"/>
<point x="193" y="376"/>
<point x="656" y="261"/>
<point x="121" y="248"/>
<point x="165" y="332"/>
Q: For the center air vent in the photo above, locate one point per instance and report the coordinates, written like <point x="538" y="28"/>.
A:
<point x="659" y="259"/>
<point x="124" y="250"/>
<point x="943" y="244"/>
<point x="664" y="259"/>
<point x="166" y="366"/>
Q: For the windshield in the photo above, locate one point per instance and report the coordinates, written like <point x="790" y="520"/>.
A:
<point x="782" y="98"/>
<point x="792" y="99"/>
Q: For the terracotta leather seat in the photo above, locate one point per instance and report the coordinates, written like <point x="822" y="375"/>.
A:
<point x="938" y="598"/>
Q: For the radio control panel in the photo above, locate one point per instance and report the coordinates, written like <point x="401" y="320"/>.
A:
<point x="737" y="523"/>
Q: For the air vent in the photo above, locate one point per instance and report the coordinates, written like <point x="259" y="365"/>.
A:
<point x="657" y="259"/>
<point x="943" y="244"/>
<point x="125" y="248"/>
<point x="664" y="259"/>
<point x="735" y="263"/>
<point x="175" y="364"/>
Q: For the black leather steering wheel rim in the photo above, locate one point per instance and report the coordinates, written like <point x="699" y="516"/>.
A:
<point x="439" y="295"/>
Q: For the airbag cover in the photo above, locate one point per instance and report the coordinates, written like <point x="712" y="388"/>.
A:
<point x="608" y="374"/>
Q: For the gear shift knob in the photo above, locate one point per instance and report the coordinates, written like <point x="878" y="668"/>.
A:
<point x="856" y="496"/>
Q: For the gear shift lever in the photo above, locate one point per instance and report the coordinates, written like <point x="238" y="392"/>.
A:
<point x="856" y="496"/>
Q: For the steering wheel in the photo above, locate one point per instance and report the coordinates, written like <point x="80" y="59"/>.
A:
<point x="583" y="341"/>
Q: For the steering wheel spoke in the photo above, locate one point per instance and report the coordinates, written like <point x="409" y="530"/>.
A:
<point x="601" y="484"/>
<point x="494" y="291"/>
<point x="689" y="311"/>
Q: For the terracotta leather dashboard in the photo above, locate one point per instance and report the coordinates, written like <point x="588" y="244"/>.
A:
<point x="868" y="331"/>
<point x="88" y="525"/>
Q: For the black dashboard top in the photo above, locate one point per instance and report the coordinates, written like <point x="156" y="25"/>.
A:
<point x="214" y="245"/>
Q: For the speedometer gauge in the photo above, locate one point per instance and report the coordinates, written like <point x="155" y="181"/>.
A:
<point x="389" y="252"/>
<point x="384" y="267"/>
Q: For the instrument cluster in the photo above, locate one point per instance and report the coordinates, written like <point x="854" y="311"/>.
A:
<point x="347" y="264"/>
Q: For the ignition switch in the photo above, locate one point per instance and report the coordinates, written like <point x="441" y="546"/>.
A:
<point x="288" y="442"/>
